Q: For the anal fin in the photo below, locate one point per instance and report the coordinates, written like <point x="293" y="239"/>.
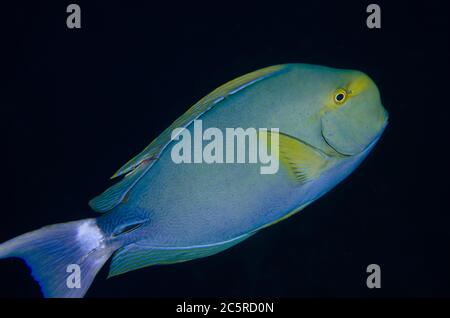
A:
<point x="135" y="256"/>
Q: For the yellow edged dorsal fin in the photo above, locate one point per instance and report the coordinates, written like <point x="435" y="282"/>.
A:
<point x="139" y="165"/>
<point x="302" y="161"/>
<point x="203" y="105"/>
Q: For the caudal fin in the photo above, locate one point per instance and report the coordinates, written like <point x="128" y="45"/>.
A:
<point x="64" y="258"/>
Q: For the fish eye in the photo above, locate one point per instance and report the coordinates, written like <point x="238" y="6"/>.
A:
<point x="340" y="96"/>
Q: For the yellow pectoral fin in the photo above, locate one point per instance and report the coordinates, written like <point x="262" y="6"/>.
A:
<point x="302" y="161"/>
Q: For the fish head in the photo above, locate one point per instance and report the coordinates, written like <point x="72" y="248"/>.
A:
<point x="352" y="115"/>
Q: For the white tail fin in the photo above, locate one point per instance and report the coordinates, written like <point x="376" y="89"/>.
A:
<point x="64" y="258"/>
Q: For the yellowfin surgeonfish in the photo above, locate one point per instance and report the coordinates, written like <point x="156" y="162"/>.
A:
<point x="163" y="212"/>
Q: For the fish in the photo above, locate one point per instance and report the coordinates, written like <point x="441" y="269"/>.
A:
<point x="325" y="122"/>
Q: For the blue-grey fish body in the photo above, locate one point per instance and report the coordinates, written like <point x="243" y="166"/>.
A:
<point x="162" y="211"/>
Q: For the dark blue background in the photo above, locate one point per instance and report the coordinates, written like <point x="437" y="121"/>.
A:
<point x="77" y="104"/>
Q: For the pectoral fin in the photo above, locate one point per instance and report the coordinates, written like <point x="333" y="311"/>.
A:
<point x="302" y="161"/>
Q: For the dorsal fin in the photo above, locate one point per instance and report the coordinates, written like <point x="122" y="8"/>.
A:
<point x="140" y="164"/>
<point x="116" y="193"/>
<point x="202" y="106"/>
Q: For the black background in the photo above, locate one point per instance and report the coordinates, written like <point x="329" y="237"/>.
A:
<point x="77" y="104"/>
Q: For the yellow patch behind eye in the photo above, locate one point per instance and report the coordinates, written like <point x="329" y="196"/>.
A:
<point x="358" y="85"/>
